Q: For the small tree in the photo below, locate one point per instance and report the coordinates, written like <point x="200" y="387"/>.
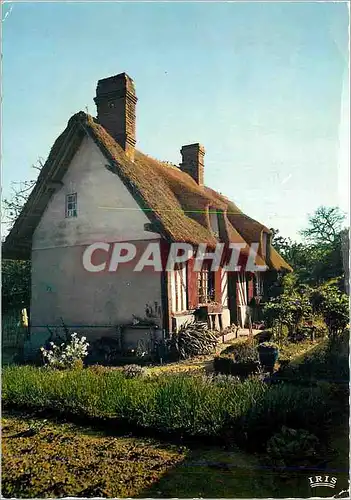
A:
<point x="16" y="273"/>
<point x="333" y="304"/>
<point x="289" y="309"/>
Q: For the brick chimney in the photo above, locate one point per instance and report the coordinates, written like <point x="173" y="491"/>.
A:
<point x="116" y="101"/>
<point x="193" y="162"/>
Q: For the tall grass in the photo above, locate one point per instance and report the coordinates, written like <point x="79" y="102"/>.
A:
<point x="186" y="404"/>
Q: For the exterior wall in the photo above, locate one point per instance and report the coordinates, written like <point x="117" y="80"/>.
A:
<point x="184" y="294"/>
<point x="61" y="287"/>
<point x="178" y="285"/>
<point x="224" y="288"/>
<point x="106" y="210"/>
<point x="242" y="302"/>
<point x="93" y="303"/>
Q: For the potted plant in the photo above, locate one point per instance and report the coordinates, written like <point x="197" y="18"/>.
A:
<point x="268" y="353"/>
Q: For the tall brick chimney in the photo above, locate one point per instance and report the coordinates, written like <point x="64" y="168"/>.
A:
<point x="116" y="101"/>
<point x="193" y="161"/>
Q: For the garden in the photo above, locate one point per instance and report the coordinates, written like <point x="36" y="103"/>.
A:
<point x="256" y="415"/>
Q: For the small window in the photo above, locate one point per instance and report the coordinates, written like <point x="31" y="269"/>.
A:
<point x="71" y="205"/>
<point x="206" y="285"/>
<point x="213" y="213"/>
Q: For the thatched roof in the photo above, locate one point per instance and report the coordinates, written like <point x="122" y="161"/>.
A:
<point x="176" y="205"/>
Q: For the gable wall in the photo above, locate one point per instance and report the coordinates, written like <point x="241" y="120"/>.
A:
<point x="106" y="209"/>
<point x="92" y="303"/>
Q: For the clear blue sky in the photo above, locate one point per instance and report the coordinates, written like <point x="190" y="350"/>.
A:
<point x="258" y="84"/>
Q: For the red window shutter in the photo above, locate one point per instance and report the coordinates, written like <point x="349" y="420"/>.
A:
<point x="218" y="287"/>
<point x="250" y="287"/>
<point x="192" y="285"/>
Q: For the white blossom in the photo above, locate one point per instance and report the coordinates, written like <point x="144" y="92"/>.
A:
<point x="66" y="354"/>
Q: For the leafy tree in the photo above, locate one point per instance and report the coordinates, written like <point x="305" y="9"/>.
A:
<point x="324" y="226"/>
<point x="16" y="274"/>
<point x="319" y="257"/>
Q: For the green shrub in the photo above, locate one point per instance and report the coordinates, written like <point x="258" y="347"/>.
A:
<point x="333" y="305"/>
<point x="229" y="366"/>
<point x="264" y="336"/>
<point x="293" y="447"/>
<point x="327" y="361"/>
<point x="249" y="412"/>
<point x="289" y="405"/>
<point x="242" y="352"/>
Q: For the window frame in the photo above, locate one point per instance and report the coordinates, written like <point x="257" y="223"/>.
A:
<point x="71" y="205"/>
<point x="206" y="284"/>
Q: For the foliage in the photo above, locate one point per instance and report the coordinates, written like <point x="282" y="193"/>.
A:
<point x="290" y="309"/>
<point x="104" y="350"/>
<point x="319" y="257"/>
<point x="242" y="352"/>
<point x="66" y="355"/>
<point x="227" y="365"/>
<point x="15" y="280"/>
<point x="334" y="306"/>
<point x="192" y="339"/>
<point x="293" y="447"/>
<point x="267" y="346"/>
<point x="328" y="361"/>
<point x="239" y="359"/>
<point x="16" y="274"/>
<point x="133" y="371"/>
<point x="248" y="411"/>
<point x="324" y="225"/>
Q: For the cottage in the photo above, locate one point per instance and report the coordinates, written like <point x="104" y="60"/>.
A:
<point x="97" y="189"/>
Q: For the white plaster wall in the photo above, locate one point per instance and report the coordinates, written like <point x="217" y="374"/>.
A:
<point x="61" y="288"/>
<point x="224" y="287"/>
<point x="106" y="210"/>
<point x="178" y="283"/>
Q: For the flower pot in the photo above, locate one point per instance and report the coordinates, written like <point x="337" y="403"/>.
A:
<point x="268" y="356"/>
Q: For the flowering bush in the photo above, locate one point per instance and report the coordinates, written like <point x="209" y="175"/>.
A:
<point x="66" y="355"/>
<point x="133" y="371"/>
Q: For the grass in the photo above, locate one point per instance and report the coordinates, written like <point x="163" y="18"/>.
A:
<point x="68" y="460"/>
<point x="320" y="362"/>
<point x="44" y="458"/>
<point x="245" y="412"/>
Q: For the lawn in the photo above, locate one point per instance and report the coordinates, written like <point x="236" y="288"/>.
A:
<point x="44" y="458"/>
<point x="94" y="432"/>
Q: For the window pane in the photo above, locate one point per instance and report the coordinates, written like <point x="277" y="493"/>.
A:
<point x="71" y="205"/>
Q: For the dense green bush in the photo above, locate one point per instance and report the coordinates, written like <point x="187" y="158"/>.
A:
<point x="250" y="411"/>
<point x="239" y="359"/>
<point x="293" y="447"/>
<point x="229" y="366"/>
<point x="289" y="309"/>
<point x="242" y="352"/>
